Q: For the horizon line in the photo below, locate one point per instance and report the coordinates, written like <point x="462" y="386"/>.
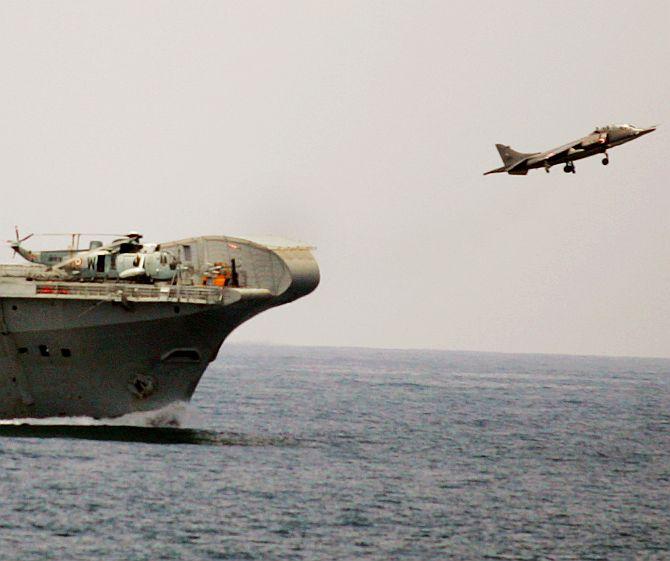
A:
<point x="420" y="349"/>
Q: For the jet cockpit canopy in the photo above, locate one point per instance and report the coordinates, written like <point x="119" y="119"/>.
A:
<point x="609" y="128"/>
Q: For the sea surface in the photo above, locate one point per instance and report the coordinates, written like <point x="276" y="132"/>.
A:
<point x="320" y="453"/>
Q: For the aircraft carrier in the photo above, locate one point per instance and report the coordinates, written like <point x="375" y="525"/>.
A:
<point x="88" y="337"/>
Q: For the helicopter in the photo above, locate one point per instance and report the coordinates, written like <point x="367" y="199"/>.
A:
<point x="124" y="258"/>
<point x="47" y="258"/>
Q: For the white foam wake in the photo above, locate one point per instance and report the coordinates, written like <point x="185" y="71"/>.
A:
<point x="178" y="414"/>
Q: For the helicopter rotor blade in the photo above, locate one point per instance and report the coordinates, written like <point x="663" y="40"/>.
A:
<point x="14" y="243"/>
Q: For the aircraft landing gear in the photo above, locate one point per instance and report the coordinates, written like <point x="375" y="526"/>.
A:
<point x="569" y="167"/>
<point x="546" y="168"/>
<point x="606" y="159"/>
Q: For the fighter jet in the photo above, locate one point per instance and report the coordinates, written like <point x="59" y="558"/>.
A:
<point x="597" y="142"/>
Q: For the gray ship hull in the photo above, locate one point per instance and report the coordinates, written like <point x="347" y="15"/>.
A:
<point x="70" y="349"/>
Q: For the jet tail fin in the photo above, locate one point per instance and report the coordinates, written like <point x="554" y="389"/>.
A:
<point x="511" y="157"/>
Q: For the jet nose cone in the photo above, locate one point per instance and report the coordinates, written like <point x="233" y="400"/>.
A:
<point x="646" y="131"/>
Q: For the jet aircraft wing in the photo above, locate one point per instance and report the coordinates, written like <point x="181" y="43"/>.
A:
<point x="571" y="149"/>
<point x="565" y="150"/>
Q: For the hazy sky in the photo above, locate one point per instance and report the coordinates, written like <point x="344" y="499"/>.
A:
<point x="363" y="128"/>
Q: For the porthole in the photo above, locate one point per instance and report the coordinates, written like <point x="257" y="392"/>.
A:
<point x="44" y="350"/>
<point x="67" y="353"/>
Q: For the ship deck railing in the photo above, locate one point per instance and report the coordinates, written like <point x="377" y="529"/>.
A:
<point x="28" y="281"/>
<point x="128" y="291"/>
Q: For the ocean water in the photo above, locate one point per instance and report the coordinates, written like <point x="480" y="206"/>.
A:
<point x="302" y="453"/>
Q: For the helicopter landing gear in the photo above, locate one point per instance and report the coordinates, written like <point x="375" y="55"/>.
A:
<point x="569" y="167"/>
<point x="606" y="159"/>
